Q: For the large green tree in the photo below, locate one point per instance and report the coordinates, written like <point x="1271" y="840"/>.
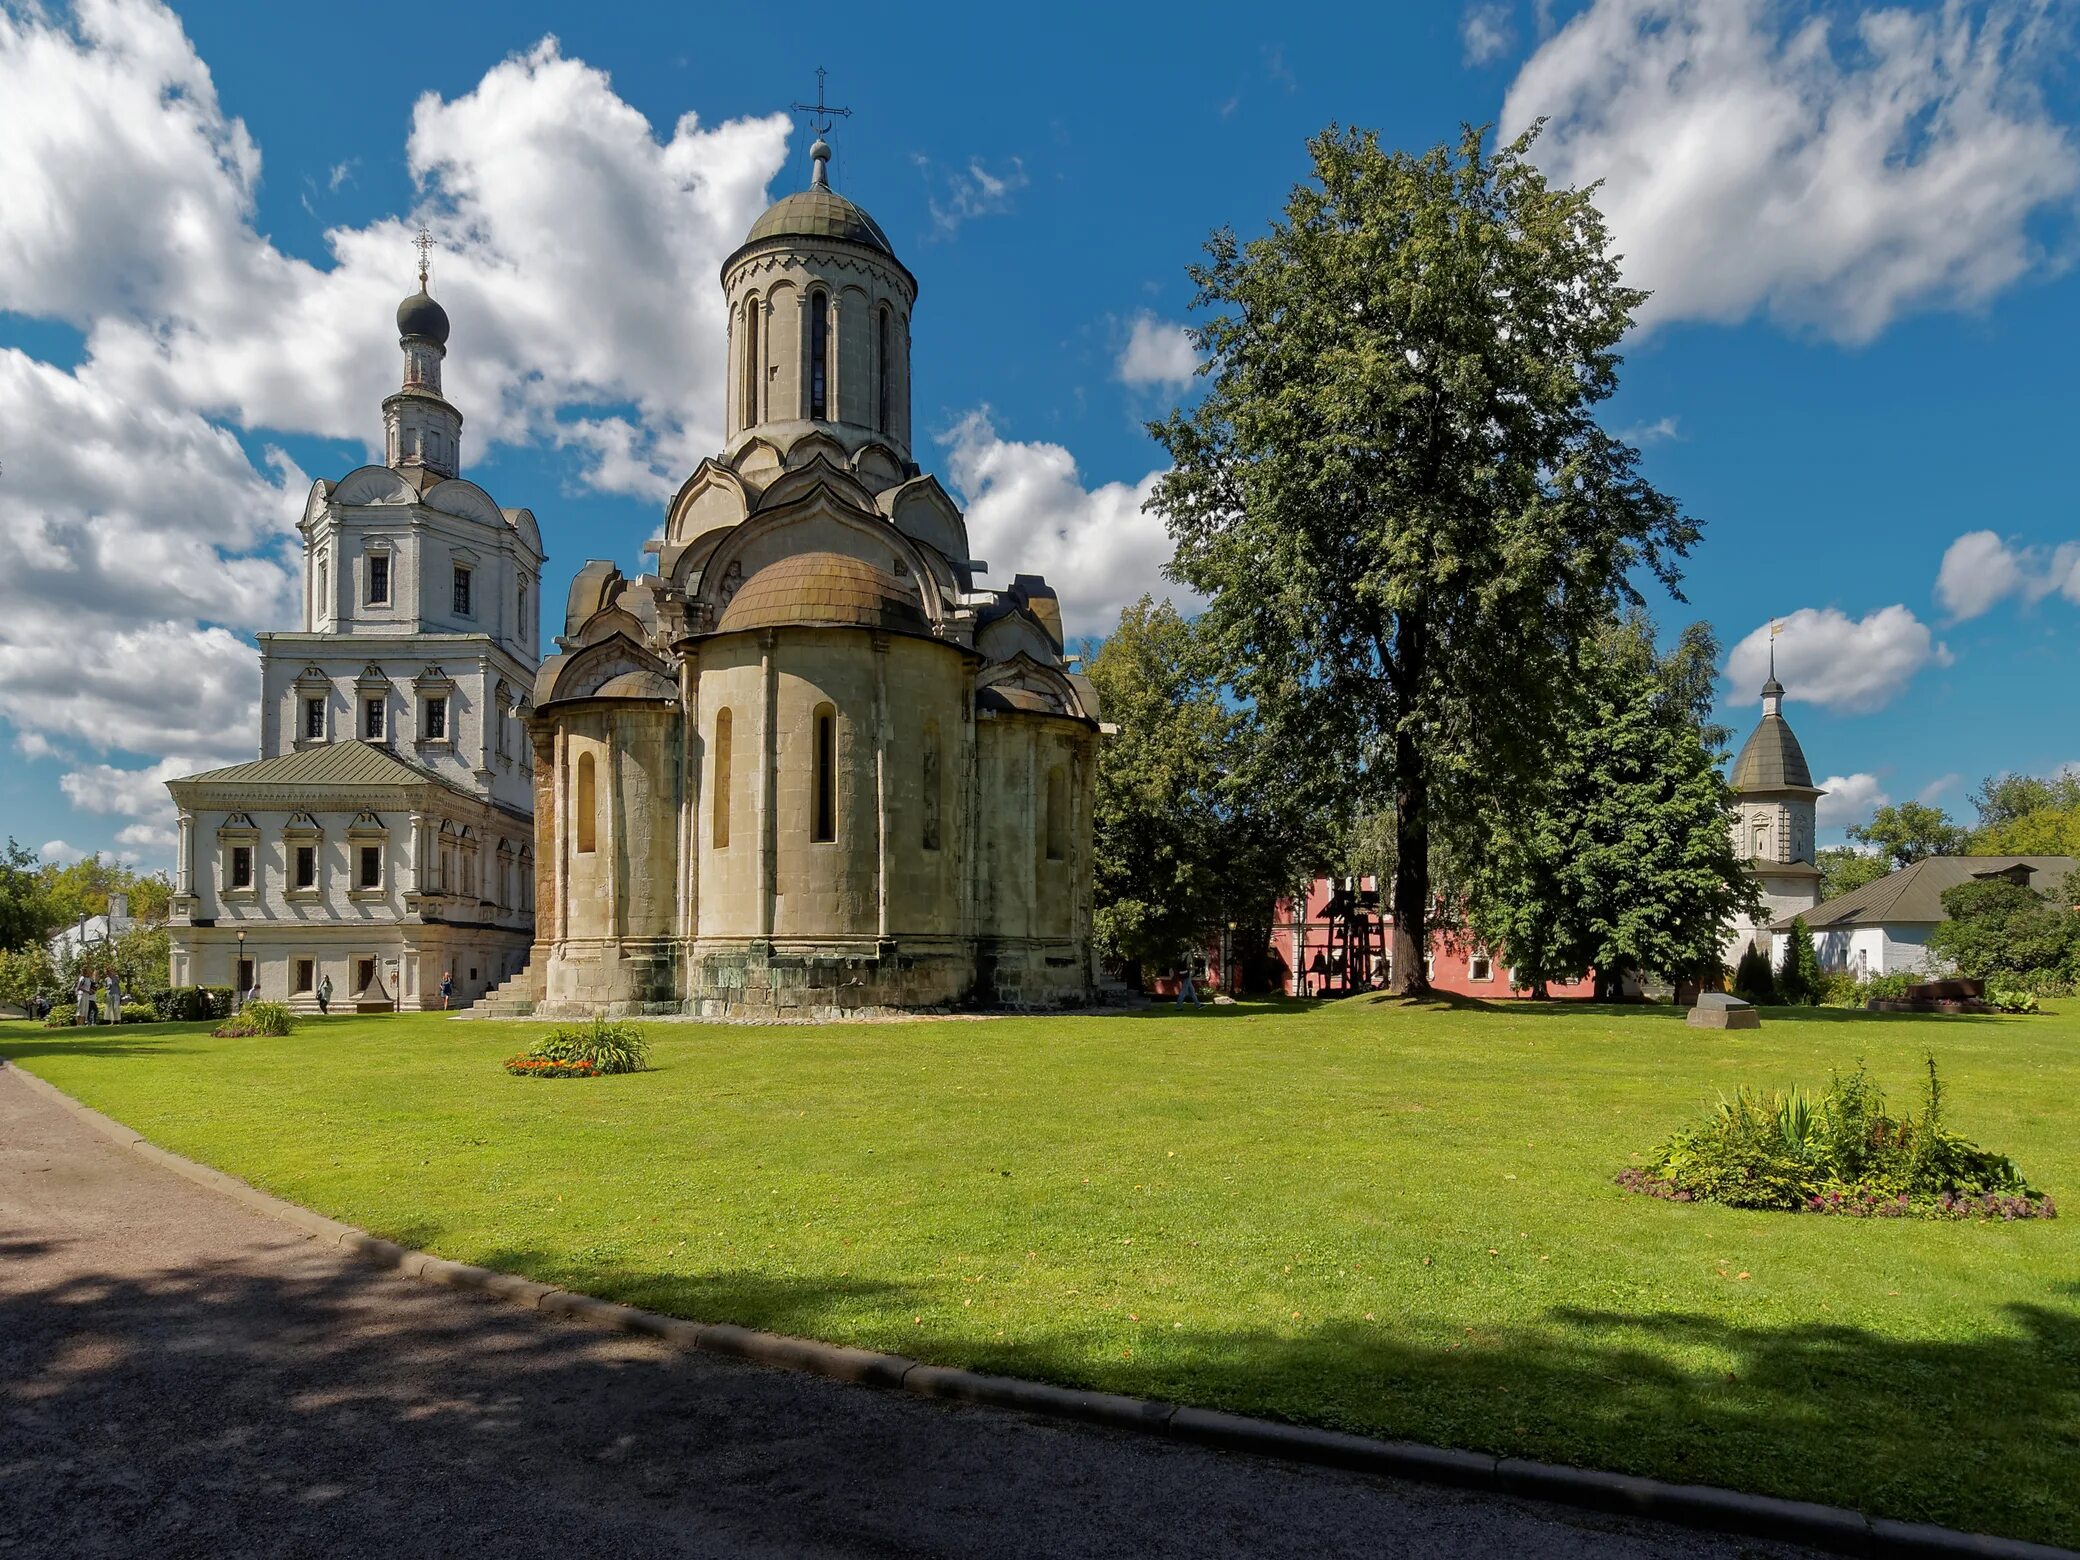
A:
<point x="1997" y="927"/>
<point x="1908" y="832"/>
<point x="1844" y="869"/>
<point x="25" y="914"/>
<point x="1395" y="492"/>
<point x="1620" y="860"/>
<point x="1195" y="827"/>
<point x="2027" y="815"/>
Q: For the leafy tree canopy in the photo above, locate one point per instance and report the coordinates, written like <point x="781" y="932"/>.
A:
<point x="2001" y="928"/>
<point x="1621" y="860"/>
<point x="1844" y="869"/>
<point x="1907" y="832"/>
<point x="1395" y="493"/>
<point x="1194" y="825"/>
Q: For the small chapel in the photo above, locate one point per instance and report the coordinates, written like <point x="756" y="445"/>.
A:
<point x="1775" y="804"/>
<point x="803" y="764"/>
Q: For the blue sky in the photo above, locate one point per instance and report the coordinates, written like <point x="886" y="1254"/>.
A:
<point x="1858" y="224"/>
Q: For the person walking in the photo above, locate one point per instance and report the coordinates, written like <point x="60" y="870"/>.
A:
<point x="447" y="988"/>
<point x="324" y="995"/>
<point x="114" y="990"/>
<point x="1185" y="988"/>
<point x="83" y="999"/>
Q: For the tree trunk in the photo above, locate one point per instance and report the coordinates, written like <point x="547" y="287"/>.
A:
<point x="1411" y="820"/>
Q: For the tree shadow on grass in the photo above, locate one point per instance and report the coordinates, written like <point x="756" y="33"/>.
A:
<point x="99" y="1040"/>
<point x="222" y="1409"/>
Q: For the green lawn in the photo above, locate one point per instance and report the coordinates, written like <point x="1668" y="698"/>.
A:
<point x="1391" y="1220"/>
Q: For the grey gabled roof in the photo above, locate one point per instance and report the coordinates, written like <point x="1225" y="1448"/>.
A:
<point x="1915" y="894"/>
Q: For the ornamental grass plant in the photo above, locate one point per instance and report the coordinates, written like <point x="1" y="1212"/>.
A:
<point x="257" y="1019"/>
<point x="1839" y="1152"/>
<point x="592" y="1051"/>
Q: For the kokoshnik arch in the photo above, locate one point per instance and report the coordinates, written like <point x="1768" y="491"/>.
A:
<point x="807" y="766"/>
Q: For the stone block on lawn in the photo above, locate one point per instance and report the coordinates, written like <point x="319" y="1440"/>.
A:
<point x="1716" y="1010"/>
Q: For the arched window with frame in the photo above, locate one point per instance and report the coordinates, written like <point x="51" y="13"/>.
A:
<point x="1057" y="814"/>
<point x="819" y="356"/>
<point x="720" y="781"/>
<point x="881" y="367"/>
<point x="931" y="785"/>
<point x="823" y="821"/>
<point x="752" y="372"/>
<point x="586" y="808"/>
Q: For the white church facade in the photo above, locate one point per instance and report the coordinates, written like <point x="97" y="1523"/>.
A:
<point x="384" y="837"/>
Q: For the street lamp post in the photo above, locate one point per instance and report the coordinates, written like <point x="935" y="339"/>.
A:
<point x="238" y="975"/>
<point x="1231" y="975"/>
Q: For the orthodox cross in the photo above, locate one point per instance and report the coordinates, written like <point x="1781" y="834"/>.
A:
<point x="822" y="110"/>
<point x="424" y="244"/>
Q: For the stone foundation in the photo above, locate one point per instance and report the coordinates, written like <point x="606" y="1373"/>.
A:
<point x="759" y="980"/>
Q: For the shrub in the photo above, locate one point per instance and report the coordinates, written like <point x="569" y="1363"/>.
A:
<point x="257" y="1019"/>
<point x="589" y="1052"/>
<point x="2011" y="999"/>
<point x="191" y="1004"/>
<point x="1841" y="990"/>
<point x="1754" y="981"/>
<point x="1798" y="982"/>
<point x="1839" y="1153"/>
<point x="66" y="1014"/>
<point x="61" y="1016"/>
<point x="1890" y="987"/>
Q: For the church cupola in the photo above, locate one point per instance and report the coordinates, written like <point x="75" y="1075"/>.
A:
<point x="420" y="429"/>
<point x="1773" y="786"/>
<point x="819" y="310"/>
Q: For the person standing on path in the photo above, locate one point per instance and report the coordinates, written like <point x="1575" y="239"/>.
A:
<point x="324" y="995"/>
<point x="447" y="988"/>
<point x="1185" y="988"/>
<point x="114" y="990"/>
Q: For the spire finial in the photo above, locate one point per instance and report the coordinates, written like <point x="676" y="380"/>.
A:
<point x="424" y="244"/>
<point x="822" y="116"/>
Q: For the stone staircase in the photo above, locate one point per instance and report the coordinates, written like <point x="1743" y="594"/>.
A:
<point x="514" y="998"/>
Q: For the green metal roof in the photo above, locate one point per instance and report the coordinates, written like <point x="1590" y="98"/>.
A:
<point x="330" y="763"/>
<point x="1915" y="894"/>
<point x="1772" y="760"/>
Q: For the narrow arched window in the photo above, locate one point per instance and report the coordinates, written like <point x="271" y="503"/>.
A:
<point x="751" y="368"/>
<point x="881" y="367"/>
<point x="931" y="785"/>
<point x="819" y="356"/>
<point x="587" y="806"/>
<point x="1057" y="814"/>
<point x="721" y="779"/>
<point x="824" y="804"/>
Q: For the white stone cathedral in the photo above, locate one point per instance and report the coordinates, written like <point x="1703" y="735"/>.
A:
<point x="1773" y="825"/>
<point x="384" y="837"/>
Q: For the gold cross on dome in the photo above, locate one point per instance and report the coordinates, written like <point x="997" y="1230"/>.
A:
<point x="823" y="111"/>
<point x="424" y="244"/>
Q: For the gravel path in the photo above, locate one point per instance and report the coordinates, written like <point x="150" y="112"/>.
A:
<point x="181" y="1377"/>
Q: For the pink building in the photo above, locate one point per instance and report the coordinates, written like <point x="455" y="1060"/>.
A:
<point x="1338" y="938"/>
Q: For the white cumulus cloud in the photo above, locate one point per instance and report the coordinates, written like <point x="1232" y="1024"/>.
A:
<point x="1828" y="658"/>
<point x="145" y="519"/>
<point x="1850" y="799"/>
<point x="1158" y="353"/>
<point x="1980" y="570"/>
<point x="1029" y="513"/>
<point x="1486" y="32"/>
<point x="1832" y="174"/>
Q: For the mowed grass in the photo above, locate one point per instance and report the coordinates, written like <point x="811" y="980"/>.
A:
<point x="1382" y="1218"/>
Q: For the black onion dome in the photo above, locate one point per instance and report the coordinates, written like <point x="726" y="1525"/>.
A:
<point x="420" y="316"/>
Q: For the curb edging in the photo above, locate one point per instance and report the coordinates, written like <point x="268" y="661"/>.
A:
<point x="1834" y="1528"/>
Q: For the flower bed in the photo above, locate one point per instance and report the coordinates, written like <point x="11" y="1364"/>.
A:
<point x="591" y="1052"/>
<point x="1837" y="1154"/>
